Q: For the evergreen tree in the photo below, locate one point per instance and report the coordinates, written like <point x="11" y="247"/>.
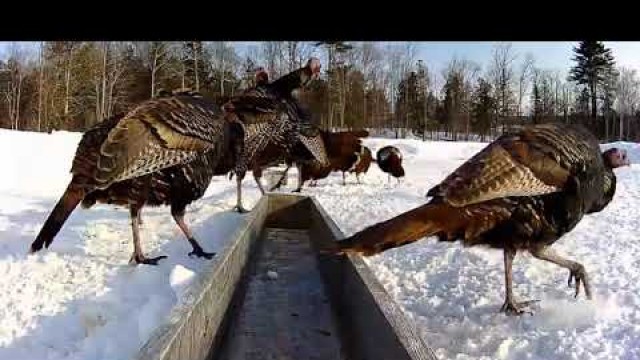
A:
<point x="453" y="90"/>
<point x="594" y="65"/>
<point x="483" y="106"/>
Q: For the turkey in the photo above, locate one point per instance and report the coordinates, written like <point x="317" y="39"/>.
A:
<point x="120" y="160"/>
<point x="343" y="149"/>
<point x="308" y="145"/>
<point x="522" y="192"/>
<point x="138" y="158"/>
<point x="389" y="159"/>
<point x="284" y="129"/>
<point x="362" y="164"/>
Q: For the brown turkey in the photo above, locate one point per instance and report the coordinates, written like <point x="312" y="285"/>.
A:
<point x="362" y="163"/>
<point x="286" y="127"/>
<point x="342" y="148"/>
<point x="308" y="144"/>
<point x="389" y="159"/>
<point x="118" y="160"/>
<point x="165" y="151"/>
<point x="521" y="193"/>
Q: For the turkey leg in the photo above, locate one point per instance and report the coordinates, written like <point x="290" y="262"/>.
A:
<point x="257" y="179"/>
<point x="576" y="270"/>
<point x="511" y="307"/>
<point x="300" y="181"/>
<point x="279" y="183"/>
<point x="137" y="256"/>
<point x="239" y="208"/>
<point x="178" y="216"/>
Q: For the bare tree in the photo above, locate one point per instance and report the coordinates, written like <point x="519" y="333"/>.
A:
<point x="369" y="55"/>
<point x="223" y="61"/>
<point x="524" y="78"/>
<point x="156" y="56"/>
<point x="272" y="55"/>
<point x="501" y="73"/>
<point x="17" y="73"/>
<point x="628" y="95"/>
<point x="40" y="83"/>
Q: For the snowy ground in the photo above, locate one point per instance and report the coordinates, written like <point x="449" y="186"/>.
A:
<point x="80" y="299"/>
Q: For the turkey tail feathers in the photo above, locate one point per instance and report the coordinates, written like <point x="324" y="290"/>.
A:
<point x="406" y="228"/>
<point x="67" y="203"/>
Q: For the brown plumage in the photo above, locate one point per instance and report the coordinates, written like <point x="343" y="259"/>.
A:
<point x="135" y="159"/>
<point x="166" y="150"/>
<point x="342" y="148"/>
<point x="270" y="115"/>
<point x="362" y="164"/>
<point x="389" y="159"/>
<point x="521" y="193"/>
<point x="306" y="144"/>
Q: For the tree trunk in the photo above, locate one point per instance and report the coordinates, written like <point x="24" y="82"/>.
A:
<point x="153" y="76"/>
<point x="18" y="100"/>
<point x="40" y="86"/>
<point x="594" y="109"/>
<point x="222" y="76"/>
<point x="195" y="67"/>
<point x="104" y="82"/>
<point x="67" y="84"/>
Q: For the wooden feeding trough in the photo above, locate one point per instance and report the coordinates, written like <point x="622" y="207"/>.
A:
<point x="270" y="295"/>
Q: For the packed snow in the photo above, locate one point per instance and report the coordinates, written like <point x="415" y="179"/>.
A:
<point x="80" y="299"/>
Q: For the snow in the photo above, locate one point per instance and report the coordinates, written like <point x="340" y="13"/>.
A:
<point x="81" y="300"/>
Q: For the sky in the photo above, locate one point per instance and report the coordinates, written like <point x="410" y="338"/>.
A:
<point x="548" y="55"/>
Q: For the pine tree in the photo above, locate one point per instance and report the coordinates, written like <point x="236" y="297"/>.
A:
<point x="594" y="65"/>
<point x="453" y="90"/>
<point x="483" y="106"/>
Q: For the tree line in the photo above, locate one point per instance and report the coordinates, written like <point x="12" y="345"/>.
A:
<point x="70" y="85"/>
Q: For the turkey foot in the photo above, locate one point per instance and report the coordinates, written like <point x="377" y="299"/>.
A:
<point x="576" y="270"/>
<point x="141" y="259"/>
<point x="198" y="252"/>
<point x="240" y="209"/>
<point x="512" y="308"/>
<point x="138" y="257"/>
<point x="579" y="274"/>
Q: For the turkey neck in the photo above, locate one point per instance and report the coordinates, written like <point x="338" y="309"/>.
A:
<point x="283" y="86"/>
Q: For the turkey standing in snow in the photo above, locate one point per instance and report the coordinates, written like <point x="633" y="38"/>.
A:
<point x="343" y="149"/>
<point x="389" y="159"/>
<point x="138" y="158"/>
<point x="362" y="164"/>
<point x="159" y="134"/>
<point x="274" y="101"/>
<point x="521" y="193"/>
<point x="307" y="144"/>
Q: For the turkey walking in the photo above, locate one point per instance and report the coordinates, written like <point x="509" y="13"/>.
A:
<point x="137" y="158"/>
<point x="520" y="193"/>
